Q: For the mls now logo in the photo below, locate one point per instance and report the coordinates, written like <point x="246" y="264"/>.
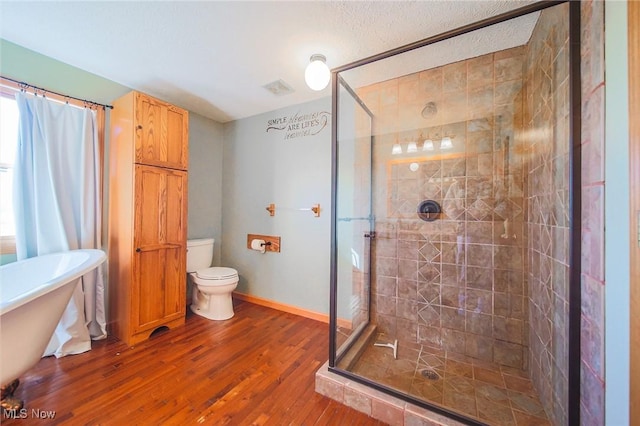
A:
<point x="23" y="413"/>
<point x="15" y="414"/>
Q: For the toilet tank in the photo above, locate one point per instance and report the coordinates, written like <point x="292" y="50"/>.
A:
<point x="199" y="254"/>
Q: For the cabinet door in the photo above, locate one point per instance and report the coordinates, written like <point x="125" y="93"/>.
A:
<point x="161" y="133"/>
<point x="159" y="290"/>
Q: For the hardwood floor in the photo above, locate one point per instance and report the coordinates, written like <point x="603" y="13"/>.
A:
<point x="258" y="368"/>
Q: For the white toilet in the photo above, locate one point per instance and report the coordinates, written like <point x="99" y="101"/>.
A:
<point x="212" y="286"/>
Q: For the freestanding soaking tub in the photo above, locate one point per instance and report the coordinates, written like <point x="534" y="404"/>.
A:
<point x="33" y="295"/>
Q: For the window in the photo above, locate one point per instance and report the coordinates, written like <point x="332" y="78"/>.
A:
<point x="8" y="143"/>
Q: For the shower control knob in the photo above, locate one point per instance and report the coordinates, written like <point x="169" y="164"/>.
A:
<point x="429" y="210"/>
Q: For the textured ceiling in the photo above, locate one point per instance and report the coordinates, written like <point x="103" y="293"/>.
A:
<point x="213" y="57"/>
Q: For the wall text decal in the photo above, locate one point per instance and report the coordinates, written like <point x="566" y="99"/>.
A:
<point x="300" y="125"/>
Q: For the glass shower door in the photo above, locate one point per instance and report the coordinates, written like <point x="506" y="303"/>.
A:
<point x="353" y="221"/>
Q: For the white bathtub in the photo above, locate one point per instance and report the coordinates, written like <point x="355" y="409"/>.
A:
<point x="33" y="295"/>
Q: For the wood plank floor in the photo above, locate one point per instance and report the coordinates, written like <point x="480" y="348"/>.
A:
<point x="256" y="369"/>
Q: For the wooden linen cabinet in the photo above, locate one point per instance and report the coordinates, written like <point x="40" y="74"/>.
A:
<point x="147" y="216"/>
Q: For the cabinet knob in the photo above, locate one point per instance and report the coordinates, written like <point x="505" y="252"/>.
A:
<point x="139" y="127"/>
<point x="138" y="250"/>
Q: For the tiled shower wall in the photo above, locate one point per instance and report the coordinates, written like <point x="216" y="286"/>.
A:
<point x="456" y="283"/>
<point x="592" y="385"/>
<point x="546" y="132"/>
<point x="396" y="311"/>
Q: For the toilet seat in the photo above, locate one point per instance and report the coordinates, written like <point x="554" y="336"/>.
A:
<point x="215" y="277"/>
<point x="217" y="273"/>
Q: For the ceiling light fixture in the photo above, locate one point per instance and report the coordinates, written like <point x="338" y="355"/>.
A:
<point x="317" y="74"/>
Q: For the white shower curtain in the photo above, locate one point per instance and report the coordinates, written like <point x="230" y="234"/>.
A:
<point x="58" y="208"/>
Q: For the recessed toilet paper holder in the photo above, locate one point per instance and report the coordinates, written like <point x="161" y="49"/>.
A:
<point x="271" y="243"/>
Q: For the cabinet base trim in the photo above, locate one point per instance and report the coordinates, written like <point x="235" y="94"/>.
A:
<point x="141" y="336"/>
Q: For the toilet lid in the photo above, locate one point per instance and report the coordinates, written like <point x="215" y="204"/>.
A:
<point x="217" y="273"/>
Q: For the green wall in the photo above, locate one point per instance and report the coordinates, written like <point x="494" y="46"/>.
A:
<point x="205" y="180"/>
<point x="205" y="135"/>
<point x="22" y="64"/>
<point x="617" y="267"/>
<point x="257" y="168"/>
<point x="264" y="166"/>
<point x="7" y="258"/>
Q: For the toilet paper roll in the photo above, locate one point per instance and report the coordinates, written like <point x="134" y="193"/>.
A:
<point x="258" y="245"/>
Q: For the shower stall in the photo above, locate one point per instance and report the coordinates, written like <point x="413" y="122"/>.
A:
<point x="453" y="256"/>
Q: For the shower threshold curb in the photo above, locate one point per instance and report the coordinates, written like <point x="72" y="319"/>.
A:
<point x="375" y="403"/>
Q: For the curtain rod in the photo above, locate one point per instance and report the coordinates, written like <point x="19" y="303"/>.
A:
<point x="26" y="86"/>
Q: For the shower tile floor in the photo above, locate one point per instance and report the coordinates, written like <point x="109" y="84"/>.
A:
<point x="494" y="394"/>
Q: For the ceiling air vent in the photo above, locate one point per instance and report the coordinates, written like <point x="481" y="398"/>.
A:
<point x="279" y="88"/>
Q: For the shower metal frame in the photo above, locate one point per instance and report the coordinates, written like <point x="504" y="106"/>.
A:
<point x="334" y="219"/>
<point x="575" y="197"/>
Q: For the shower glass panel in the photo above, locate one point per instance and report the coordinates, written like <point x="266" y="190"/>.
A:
<point x="354" y="221"/>
<point x="466" y="309"/>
